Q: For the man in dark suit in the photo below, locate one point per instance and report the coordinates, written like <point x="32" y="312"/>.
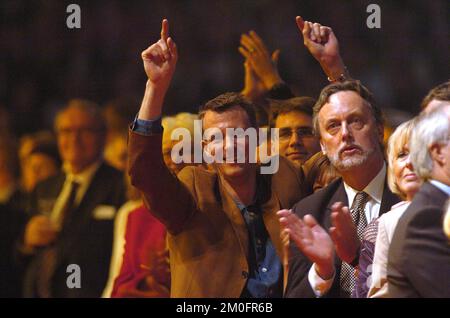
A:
<point x="71" y="214"/>
<point x="350" y="128"/>
<point x="419" y="255"/>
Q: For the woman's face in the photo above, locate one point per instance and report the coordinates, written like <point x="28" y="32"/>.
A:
<point x="407" y="181"/>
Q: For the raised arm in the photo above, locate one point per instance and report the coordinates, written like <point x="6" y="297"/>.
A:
<point x="261" y="62"/>
<point x="147" y="170"/>
<point x="324" y="47"/>
<point x="159" y="60"/>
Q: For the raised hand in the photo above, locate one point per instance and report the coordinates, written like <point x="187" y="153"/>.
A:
<point x="40" y="231"/>
<point x="343" y="233"/>
<point x="253" y="86"/>
<point x="311" y="239"/>
<point x="260" y="61"/>
<point x="161" y="58"/>
<point x="323" y="46"/>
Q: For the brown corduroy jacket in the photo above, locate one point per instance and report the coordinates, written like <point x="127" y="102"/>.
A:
<point x="207" y="234"/>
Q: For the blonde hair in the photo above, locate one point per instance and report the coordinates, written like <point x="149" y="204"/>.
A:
<point x="396" y="143"/>
<point x="447" y="219"/>
<point x="180" y="120"/>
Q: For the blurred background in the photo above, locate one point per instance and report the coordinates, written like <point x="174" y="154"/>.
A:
<point x="43" y="63"/>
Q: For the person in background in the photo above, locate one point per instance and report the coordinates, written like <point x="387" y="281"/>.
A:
<point x="293" y="118"/>
<point x="170" y="123"/>
<point x="438" y="96"/>
<point x="71" y="215"/>
<point x="116" y="150"/>
<point x="402" y="181"/>
<point x="319" y="172"/>
<point x="9" y="170"/>
<point x="419" y="253"/>
<point x="39" y="159"/>
<point x="117" y="115"/>
<point x="139" y="265"/>
<point x="11" y="219"/>
<point x="447" y="220"/>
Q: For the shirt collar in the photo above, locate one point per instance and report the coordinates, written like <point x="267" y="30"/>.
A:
<point x="441" y="186"/>
<point x="374" y="189"/>
<point x="84" y="176"/>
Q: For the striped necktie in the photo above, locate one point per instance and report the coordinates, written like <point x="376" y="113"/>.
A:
<point x="348" y="278"/>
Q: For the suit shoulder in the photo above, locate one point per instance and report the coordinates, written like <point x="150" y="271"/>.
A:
<point x="110" y="171"/>
<point x="287" y="168"/>
<point x="422" y="217"/>
<point x="318" y="199"/>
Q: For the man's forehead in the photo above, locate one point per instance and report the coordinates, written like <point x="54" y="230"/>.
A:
<point x="74" y="116"/>
<point x="344" y="103"/>
<point x="293" y="119"/>
<point x="436" y="103"/>
<point x="235" y="116"/>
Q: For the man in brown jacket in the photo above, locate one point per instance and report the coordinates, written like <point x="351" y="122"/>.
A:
<point x="224" y="235"/>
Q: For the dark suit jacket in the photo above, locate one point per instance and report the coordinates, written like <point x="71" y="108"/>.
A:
<point x="208" y="238"/>
<point x="85" y="238"/>
<point x="419" y="255"/>
<point x="11" y="222"/>
<point x="319" y="205"/>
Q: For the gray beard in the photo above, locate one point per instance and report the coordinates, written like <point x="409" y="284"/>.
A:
<point x="350" y="162"/>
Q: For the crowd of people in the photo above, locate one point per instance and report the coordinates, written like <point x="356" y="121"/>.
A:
<point x="348" y="213"/>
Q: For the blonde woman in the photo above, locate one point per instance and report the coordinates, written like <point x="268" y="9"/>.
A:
<point x="404" y="182"/>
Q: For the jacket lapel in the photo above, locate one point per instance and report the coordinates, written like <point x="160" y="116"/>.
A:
<point x="388" y="200"/>
<point x="339" y="195"/>
<point x="235" y="216"/>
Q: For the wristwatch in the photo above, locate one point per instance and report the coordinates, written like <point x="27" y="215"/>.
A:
<point x="341" y="78"/>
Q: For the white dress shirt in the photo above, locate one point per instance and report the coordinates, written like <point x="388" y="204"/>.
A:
<point x="372" y="209"/>
<point x="441" y="186"/>
<point x="386" y="228"/>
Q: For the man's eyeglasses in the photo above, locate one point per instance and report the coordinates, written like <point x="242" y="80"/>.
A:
<point x="302" y="132"/>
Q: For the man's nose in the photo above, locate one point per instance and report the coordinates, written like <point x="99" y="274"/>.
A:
<point x="295" y="140"/>
<point x="346" y="132"/>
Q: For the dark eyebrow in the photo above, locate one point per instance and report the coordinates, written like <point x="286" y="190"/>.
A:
<point x="285" y="129"/>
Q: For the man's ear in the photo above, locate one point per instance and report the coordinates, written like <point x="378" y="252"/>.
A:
<point x="437" y="154"/>
<point x="322" y="147"/>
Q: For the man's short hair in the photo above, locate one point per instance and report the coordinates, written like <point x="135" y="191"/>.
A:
<point x="227" y="101"/>
<point x="86" y="106"/>
<point x="429" y="129"/>
<point x="303" y="104"/>
<point x="440" y="92"/>
<point x="350" y="85"/>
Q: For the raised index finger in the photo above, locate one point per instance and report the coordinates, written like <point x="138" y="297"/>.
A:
<point x="164" y="30"/>
<point x="300" y="22"/>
